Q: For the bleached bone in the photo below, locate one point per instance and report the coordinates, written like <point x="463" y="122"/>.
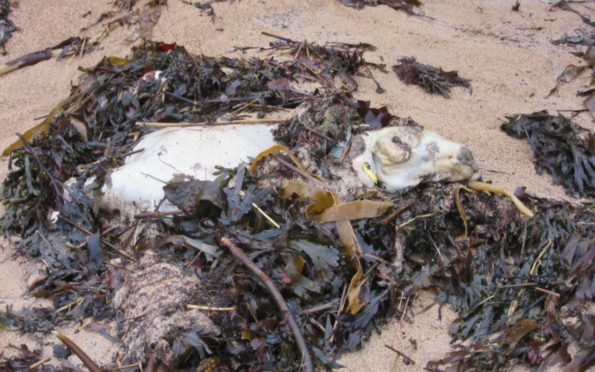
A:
<point x="405" y="156"/>
<point x="138" y="184"/>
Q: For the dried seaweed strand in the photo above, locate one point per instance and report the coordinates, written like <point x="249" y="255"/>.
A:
<point x="268" y="282"/>
<point x="482" y="186"/>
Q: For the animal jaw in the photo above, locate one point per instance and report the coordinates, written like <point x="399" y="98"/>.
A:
<point x="405" y="156"/>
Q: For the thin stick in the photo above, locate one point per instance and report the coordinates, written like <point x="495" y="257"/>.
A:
<point x="158" y="214"/>
<point x="405" y="308"/>
<point x="76" y="350"/>
<point x="400" y="353"/>
<point x="27" y="60"/>
<point x="481" y="186"/>
<point x="265" y="215"/>
<point x="294" y="169"/>
<point x="415" y="218"/>
<point x="397" y="212"/>
<point x="268" y="282"/>
<point x="321" y="307"/>
<point x="104" y="241"/>
<point x="136" y="365"/>
<point x="209" y="308"/>
<point x="39" y="363"/>
<point x="539" y="257"/>
<point x="207" y="124"/>
<point x="547" y="291"/>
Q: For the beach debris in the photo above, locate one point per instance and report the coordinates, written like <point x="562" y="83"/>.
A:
<point x="579" y="37"/>
<point x="570" y="73"/>
<point x="206" y="7"/>
<point x="333" y="65"/>
<point x="7" y="27"/>
<point x="268" y="282"/>
<point x="340" y="255"/>
<point x="27" y="320"/>
<point x="516" y="284"/>
<point x="516" y="6"/>
<point x="404" y="5"/>
<point x="432" y="79"/>
<point x="80" y="353"/>
<point x="561" y="148"/>
<point x="144" y="20"/>
<point x="567" y="6"/>
<point x="22" y="361"/>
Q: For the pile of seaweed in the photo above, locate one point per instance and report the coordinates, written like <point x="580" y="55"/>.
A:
<point x="432" y="79"/>
<point x="7" y="27"/>
<point x="286" y="272"/>
<point x="404" y="5"/>
<point x="563" y="149"/>
<point x="93" y="130"/>
<point x="142" y="18"/>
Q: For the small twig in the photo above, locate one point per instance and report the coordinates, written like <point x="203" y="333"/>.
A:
<point x="321" y="307"/>
<point x="397" y="212"/>
<point x="547" y="291"/>
<point x="321" y="135"/>
<point x="539" y="257"/>
<point x="287" y="40"/>
<point x="133" y="365"/>
<point x="520" y="285"/>
<point x="294" y="168"/>
<point x="407" y="358"/>
<point x="317" y="325"/>
<point x="405" y="307"/>
<point x="39" y="363"/>
<point x="158" y="214"/>
<point x="76" y="350"/>
<point x="268" y="282"/>
<point x="88" y="232"/>
<point x="427" y="215"/>
<point x="209" y="308"/>
<point x="265" y="215"/>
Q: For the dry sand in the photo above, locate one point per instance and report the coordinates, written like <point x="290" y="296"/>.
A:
<point x="507" y="55"/>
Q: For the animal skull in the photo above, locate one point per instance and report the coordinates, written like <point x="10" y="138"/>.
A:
<point x="405" y="156"/>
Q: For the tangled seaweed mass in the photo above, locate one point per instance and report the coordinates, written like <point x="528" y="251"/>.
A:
<point x="521" y="287"/>
<point x="561" y="148"/>
<point x="7" y="27"/>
